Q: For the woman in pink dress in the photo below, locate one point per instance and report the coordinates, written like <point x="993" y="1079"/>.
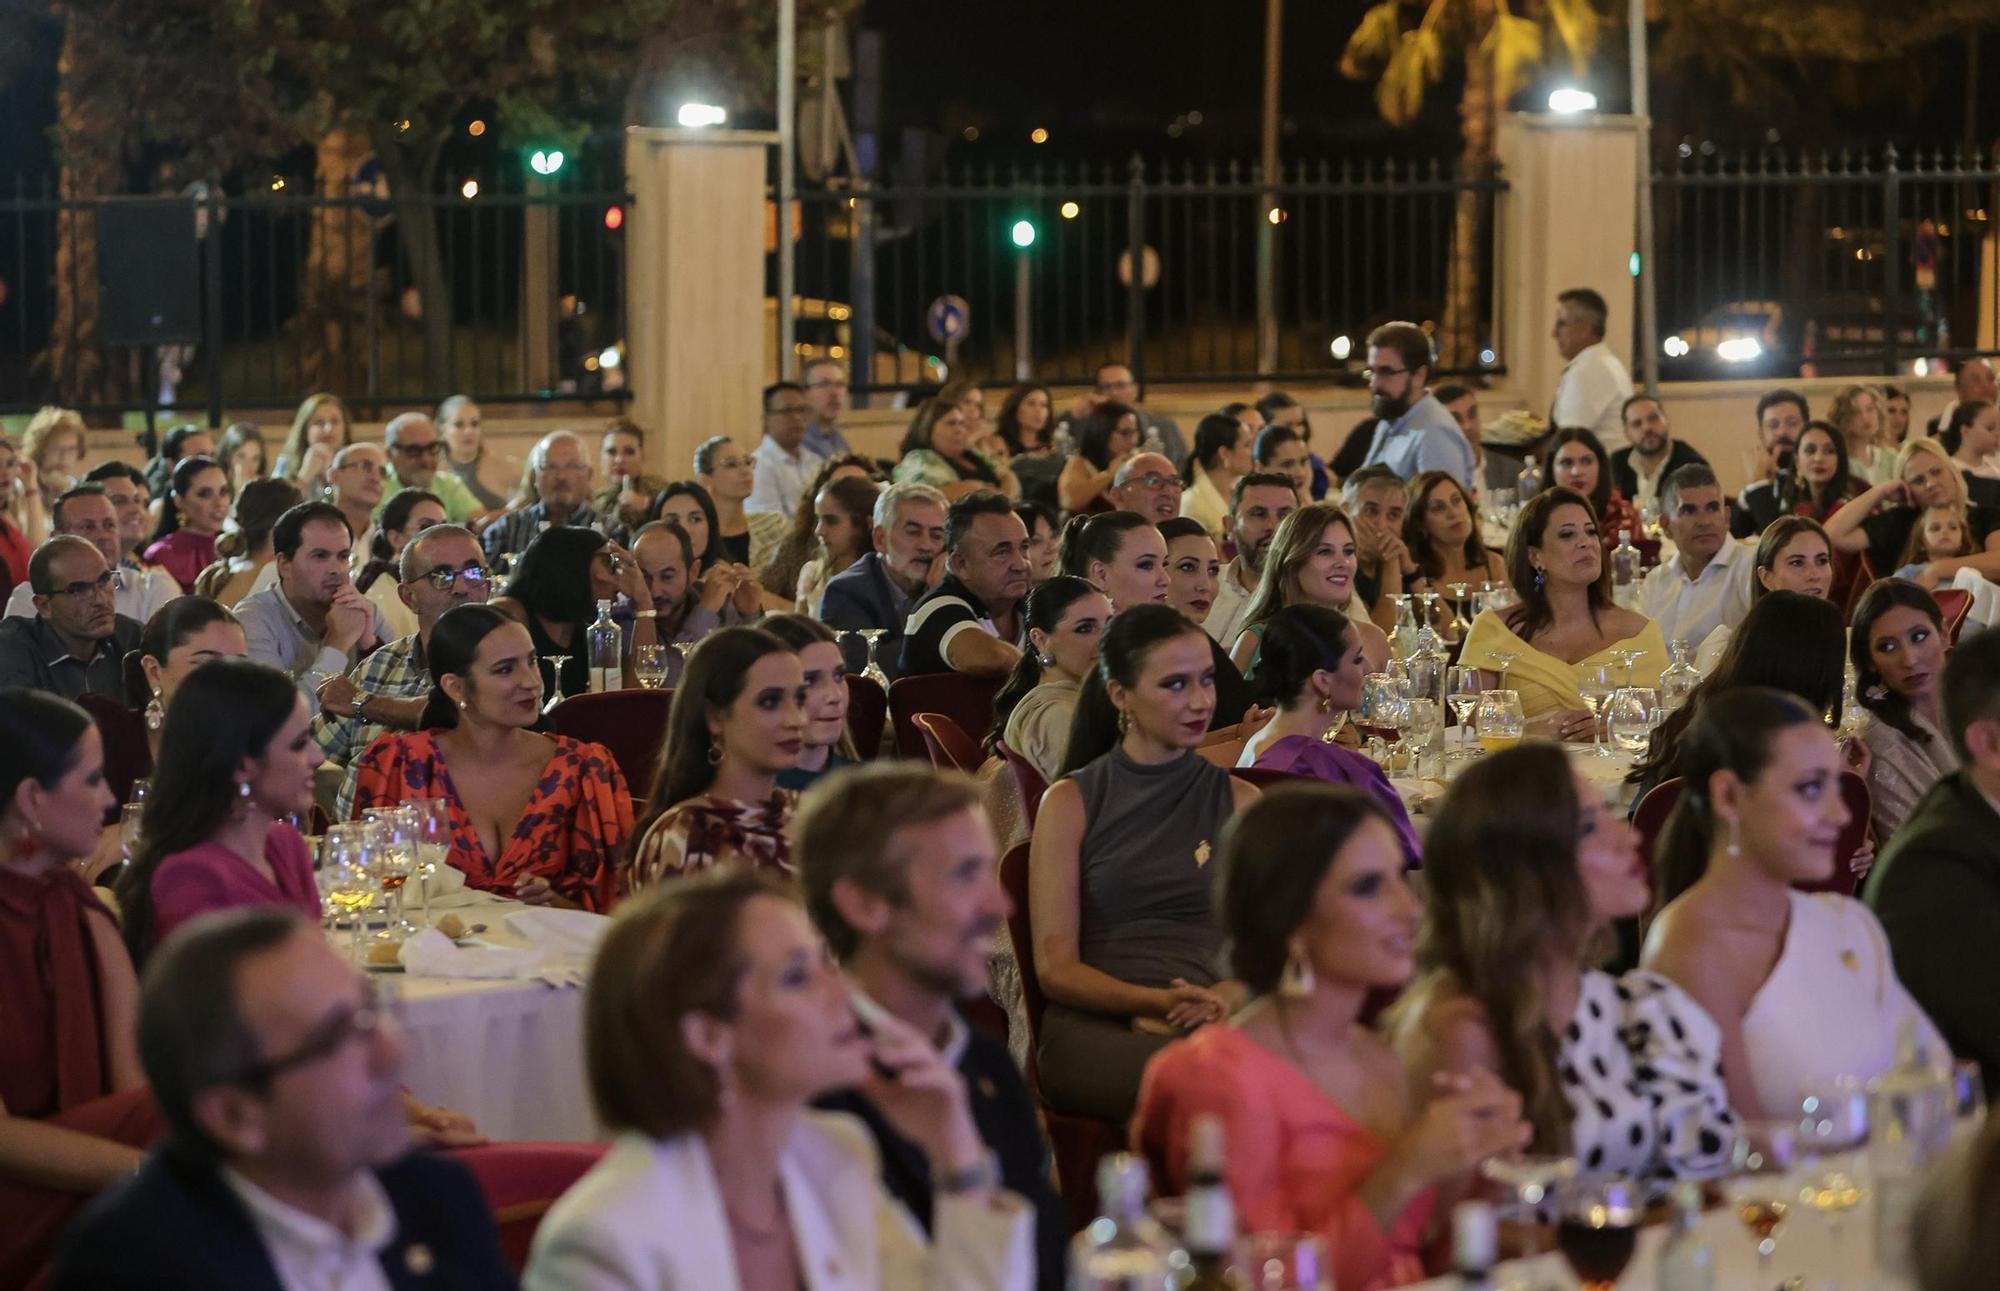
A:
<point x="190" y="518"/>
<point x="75" y="1114"/>
<point x="1322" y="1134"/>
<point x="236" y="753"/>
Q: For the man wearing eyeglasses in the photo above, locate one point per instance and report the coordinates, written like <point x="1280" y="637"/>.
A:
<point x="562" y="478"/>
<point x="415" y="453"/>
<point x="76" y="641"/>
<point x="87" y="512"/>
<point x="1413" y="431"/>
<point x="288" y="1161"/>
<point x="784" y="464"/>
<point x="441" y="567"/>
<point x="826" y="394"/>
<point x="1148" y="485"/>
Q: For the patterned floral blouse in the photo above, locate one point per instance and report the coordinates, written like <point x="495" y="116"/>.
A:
<point x="571" y="832"/>
<point x="709" y="830"/>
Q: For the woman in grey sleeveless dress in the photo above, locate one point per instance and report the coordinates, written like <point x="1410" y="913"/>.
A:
<point x="1127" y="947"/>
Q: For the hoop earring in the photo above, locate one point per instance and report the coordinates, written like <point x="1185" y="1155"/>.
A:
<point x="1296" y="982"/>
<point x="156" y="715"/>
<point x="715" y="755"/>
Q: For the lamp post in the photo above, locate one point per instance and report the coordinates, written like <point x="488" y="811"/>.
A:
<point x="1649" y="286"/>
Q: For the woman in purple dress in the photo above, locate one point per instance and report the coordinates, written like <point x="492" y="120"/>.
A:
<point x="1311" y="670"/>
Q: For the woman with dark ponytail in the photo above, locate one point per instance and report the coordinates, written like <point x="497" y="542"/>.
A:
<point x="1065" y="618"/>
<point x="75" y="1114"/>
<point x="1311" y="672"/>
<point x="1801" y="985"/>
<point x="538" y="818"/>
<point x="1126" y="941"/>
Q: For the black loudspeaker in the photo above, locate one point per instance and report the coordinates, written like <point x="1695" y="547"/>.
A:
<point x="149" y="272"/>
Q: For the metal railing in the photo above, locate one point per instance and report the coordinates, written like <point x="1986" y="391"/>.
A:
<point x="1829" y="264"/>
<point x="1355" y="246"/>
<point x="261" y="298"/>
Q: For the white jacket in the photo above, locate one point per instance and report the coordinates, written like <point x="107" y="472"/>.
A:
<point x="649" y="1217"/>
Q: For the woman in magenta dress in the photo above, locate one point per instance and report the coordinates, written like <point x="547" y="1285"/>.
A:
<point x="75" y="1115"/>
<point x="236" y="753"/>
<point x="539" y="818"/>
<point x="1323" y="1134"/>
<point x="1311" y="671"/>
<point x="190" y="517"/>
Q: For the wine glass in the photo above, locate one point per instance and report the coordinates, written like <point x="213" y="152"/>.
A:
<point x="1626" y="657"/>
<point x="1760" y="1192"/>
<point x="869" y="637"/>
<point x="649" y="665"/>
<point x="1384" y="701"/>
<point x="1595" y="682"/>
<point x="1461" y="690"/>
<point x="1531" y="1178"/>
<point x="1599" y="1229"/>
<point x="1630" y="717"/>
<point x="1430" y="616"/>
<point x="344" y="880"/>
<point x="393" y="861"/>
<point x="1422" y="721"/>
<point x="140" y="788"/>
<point x="1505" y="658"/>
<point x="1284" y="1262"/>
<point x="1833" y="1121"/>
<point x="556" y="696"/>
<point x="1460" y="623"/>
<point x="129" y="817"/>
<point x="1498" y="719"/>
<point x="432" y="822"/>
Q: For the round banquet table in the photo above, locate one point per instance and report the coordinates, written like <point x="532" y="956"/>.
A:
<point x="507" y="1053"/>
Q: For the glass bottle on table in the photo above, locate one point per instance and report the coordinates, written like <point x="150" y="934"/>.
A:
<point x="1209" y="1231"/>
<point x="1475" y="1245"/>
<point x="606" y="644"/>
<point x="1680" y="677"/>
<point x="1687" y="1261"/>
<point x="1124" y="1248"/>
<point x="1625" y="571"/>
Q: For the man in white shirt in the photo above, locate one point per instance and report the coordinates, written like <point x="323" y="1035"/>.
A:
<point x="1707" y="584"/>
<point x="784" y="465"/>
<point x="1595" y="385"/>
<point x="87" y="513"/>
<point x="1258" y="503"/>
<point x="287" y="1164"/>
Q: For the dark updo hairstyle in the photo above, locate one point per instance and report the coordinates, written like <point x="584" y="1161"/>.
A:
<point x="1778" y="535"/>
<point x="1131" y="636"/>
<point x="396" y="515"/>
<point x="551" y="580"/>
<point x="1600" y="496"/>
<point x="1300" y="640"/>
<point x="39" y="737"/>
<point x="225" y="713"/>
<point x="1274" y="855"/>
<point x="1883" y="595"/>
<point x="1733" y="732"/>
<point x="454" y="642"/>
<point x="1044" y="608"/>
<point x="1789" y="642"/>
<point x="1214" y="435"/>
<point x="1534" y="612"/>
<point x="1093" y="439"/>
<point x="717" y="670"/>
<point x="1963" y="414"/>
<point x="185" y="473"/>
<point x="171" y="625"/>
<point x="1090" y="538"/>
<point x="688" y="488"/>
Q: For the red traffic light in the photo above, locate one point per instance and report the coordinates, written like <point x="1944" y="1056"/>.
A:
<point x="614" y="217"/>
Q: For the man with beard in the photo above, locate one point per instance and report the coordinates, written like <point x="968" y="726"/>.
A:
<point x="1258" y="503"/>
<point x="900" y="872"/>
<point x="1413" y="432"/>
<point x="1148" y="486"/>
<point x="312" y="623"/>
<point x="76" y="640"/>
<point x="1652" y="452"/>
<point x="877" y="590"/>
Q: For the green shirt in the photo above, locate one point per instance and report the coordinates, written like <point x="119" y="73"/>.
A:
<point x="459" y="504"/>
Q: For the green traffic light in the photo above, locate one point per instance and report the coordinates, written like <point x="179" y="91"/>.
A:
<point x="546" y="161"/>
<point x="1024" y="233"/>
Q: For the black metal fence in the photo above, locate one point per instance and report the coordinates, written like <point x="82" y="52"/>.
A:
<point x="1353" y="246"/>
<point x="260" y="298"/>
<point x="1781" y="265"/>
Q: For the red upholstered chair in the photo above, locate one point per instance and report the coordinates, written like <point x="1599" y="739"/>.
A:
<point x="1650" y="820"/>
<point x="127" y="756"/>
<point x="1076" y="1142"/>
<point x="1864" y="574"/>
<point x="521" y="1181"/>
<point x="1033" y="786"/>
<point x="867" y="714"/>
<point x="965" y="699"/>
<point x="1954" y="603"/>
<point x="630" y="723"/>
<point x="947" y="747"/>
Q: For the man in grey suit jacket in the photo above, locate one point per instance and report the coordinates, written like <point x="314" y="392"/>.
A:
<point x="878" y="590"/>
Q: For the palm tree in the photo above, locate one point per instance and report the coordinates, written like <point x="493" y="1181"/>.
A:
<point x="1405" y="46"/>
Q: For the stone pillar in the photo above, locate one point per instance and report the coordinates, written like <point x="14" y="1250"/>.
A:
<point x="1568" y="219"/>
<point x="694" y="287"/>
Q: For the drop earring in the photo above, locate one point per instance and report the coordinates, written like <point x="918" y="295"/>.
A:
<point x="1296" y="982"/>
<point x="156" y="715"/>
<point x="1538" y="577"/>
<point x="1735" y="839"/>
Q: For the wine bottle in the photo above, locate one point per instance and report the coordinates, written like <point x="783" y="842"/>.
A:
<point x="1475" y="1244"/>
<point x="1209" y="1233"/>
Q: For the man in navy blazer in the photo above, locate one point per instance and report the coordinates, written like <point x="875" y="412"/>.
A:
<point x="877" y="590"/>
<point x="288" y="1163"/>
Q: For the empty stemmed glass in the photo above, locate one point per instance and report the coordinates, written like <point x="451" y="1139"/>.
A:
<point x="432" y="824"/>
<point x="1532" y="1180"/>
<point x="1461" y="623"/>
<point x="873" y="671"/>
<point x="393" y="861"/>
<point x="1833" y="1123"/>
<point x="1384" y="709"/>
<point x="1505" y="658"/>
<point x="1626" y="657"/>
<point x="1595" y="682"/>
<point x="1461" y="690"/>
<point x="555" y="662"/>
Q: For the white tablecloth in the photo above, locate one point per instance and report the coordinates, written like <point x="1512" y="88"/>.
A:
<point x="509" y="1054"/>
<point x="1607" y="773"/>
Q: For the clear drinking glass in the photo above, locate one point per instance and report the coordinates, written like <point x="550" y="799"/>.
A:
<point x="1762" y="1190"/>
<point x="649" y="665"/>
<point x="1461" y="621"/>
<point x="433" y="835"/>
<point x="1532" y="1179"/>
<point x="1595" y="682"/>
<point x="140" y="788"/>
<point x="129" y="817"/>
<point x="1630" y="717"/>
<point x="1284" y="1262"/>
<point x="393" y="860"/>
<point x="1505" y="658"/>
<point x="555" y="662"/>
<point x="1461" y="690"/>
<point x="1499" y="720"/>
<point x="1384" y="710"/>
<point x="870" y="636"/>
<point x="345" y="880"/>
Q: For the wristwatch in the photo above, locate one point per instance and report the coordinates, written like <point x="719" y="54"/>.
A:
<point x="361" y="699"/>
<point x="981" y="1177"/>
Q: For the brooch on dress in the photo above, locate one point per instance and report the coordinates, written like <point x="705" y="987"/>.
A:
<point x="1850" y="961"/>
<point x="1201" y="854"/>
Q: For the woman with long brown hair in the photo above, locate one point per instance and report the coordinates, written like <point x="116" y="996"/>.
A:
<point x="321" y="428"/>
<point x="1312" y="561"/>
<point x="1441" y="529"/>
<point x="804" y="547"/>
<point x="1525" y="869"/>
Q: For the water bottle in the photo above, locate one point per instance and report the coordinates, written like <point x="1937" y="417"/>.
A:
<point x="607" y="652"/>
<point x="1475" y="1244"/>
<point x="1123" y="1249"/>
<point x="1210" y="1228"/>
<point x="1529" y="482"/>
<point x="1909" y="1120"/>
<point x="1154" y="443"/>
<point x="1625" y="571"/>
<point x="1063" y="442"/>
<point x="1687" y="1261"/>
<point x="1404" y="638"/>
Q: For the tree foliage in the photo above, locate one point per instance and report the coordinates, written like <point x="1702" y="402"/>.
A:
<point x="1406" y="48"/>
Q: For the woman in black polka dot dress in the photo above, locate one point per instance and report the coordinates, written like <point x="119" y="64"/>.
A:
<point x="1526" y="869"/>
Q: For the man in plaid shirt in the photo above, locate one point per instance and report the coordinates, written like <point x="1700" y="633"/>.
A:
<point x="441" y="567"/>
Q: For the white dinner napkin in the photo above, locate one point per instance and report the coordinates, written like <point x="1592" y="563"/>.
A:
<point x="432" y="954"/>
<point x="447" y="888"/>
<point x="561" y="932"/>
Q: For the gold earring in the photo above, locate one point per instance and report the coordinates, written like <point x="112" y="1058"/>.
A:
<point x="1124" y="722"/>
<point x="1296" y="982"/>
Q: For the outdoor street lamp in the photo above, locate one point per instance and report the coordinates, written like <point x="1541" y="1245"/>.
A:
<point x="699" y="115"/>
<point x="1569" y="100"/>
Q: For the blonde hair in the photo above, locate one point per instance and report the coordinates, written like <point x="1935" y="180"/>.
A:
<point x="294" y="452"/>
<point x="1919" y="444"/>
<point x="1844" y="405"/>
<point x="48" y="424"/>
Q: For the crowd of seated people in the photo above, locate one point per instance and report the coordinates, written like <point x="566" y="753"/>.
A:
<point x="1221" y="884"/>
